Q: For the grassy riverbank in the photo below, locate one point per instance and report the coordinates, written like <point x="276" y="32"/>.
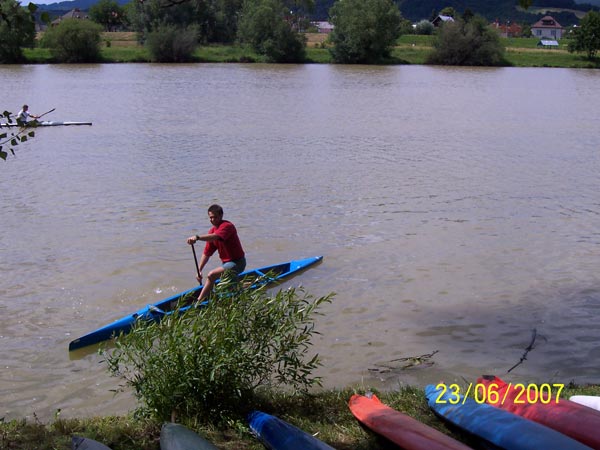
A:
<point x="410" y="49"/>
<point x="325" y="414"/>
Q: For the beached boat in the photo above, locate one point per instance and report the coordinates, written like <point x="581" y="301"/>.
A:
<point x="277" y="434"/>
<point x="156" y="311"/>
<point x="399" y="428"/>
<point x="570" y="418"/>
<point x="496" y="426"/>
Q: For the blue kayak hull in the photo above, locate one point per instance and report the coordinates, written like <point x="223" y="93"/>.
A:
<point x="496" y="426"/>
<point x="158" y="310"/>
<point x="276" y="434"/>
<point x="82" y="443"/>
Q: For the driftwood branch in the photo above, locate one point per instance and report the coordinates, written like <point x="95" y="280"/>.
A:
<point x="530" y="347"/>
<point x="406" y="363"/>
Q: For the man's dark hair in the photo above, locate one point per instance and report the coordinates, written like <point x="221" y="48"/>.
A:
<point x="215" y="209"/>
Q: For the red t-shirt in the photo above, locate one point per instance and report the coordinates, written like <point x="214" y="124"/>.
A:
<point x="228" y="244"/>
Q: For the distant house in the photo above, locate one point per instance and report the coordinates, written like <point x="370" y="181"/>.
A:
<point x="73" y="14"/>
<point x="323" y="27"/>
<point x="440" y="20"/>
<point x="547" y="28"/>
<point x="508" y="29"/>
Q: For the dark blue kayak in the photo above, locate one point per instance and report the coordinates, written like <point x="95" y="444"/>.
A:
<point x="82" y="443"/>
<point x="276" y="434"/>
<point x="501" y="428"/>
<point x="177" y="437"/>
<point x="156" y="311"/>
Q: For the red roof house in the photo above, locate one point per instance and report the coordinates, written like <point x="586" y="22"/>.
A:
<point x="547" y="27"/>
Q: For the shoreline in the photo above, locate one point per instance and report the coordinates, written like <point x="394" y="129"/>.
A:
<point x="122" y="47"/>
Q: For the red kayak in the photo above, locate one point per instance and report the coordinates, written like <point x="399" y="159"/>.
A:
<point x="408" y="433"/>
<point x="572" y="419"/>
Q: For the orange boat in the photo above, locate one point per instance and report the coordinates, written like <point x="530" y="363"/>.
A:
<point x="399" y="428"/>
<point x="572" y="419"/>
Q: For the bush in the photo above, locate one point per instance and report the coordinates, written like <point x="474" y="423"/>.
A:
<point x="169" y="43"/>
<point x="467" y="43"/>
<point x="587" y="36"/>
<point x="74" y="41"/>
<point x="424" y="27"/>
<point x="364" y="30"/>
<point x="208" y="362"/>
<point x="262" y="25"/>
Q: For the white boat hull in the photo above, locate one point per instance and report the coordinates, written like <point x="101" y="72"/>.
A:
<point x="46" y="123"/>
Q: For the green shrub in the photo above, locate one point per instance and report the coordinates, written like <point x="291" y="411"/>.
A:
<point x="365" y="31"/>
<point x="170" y="43"/>
<point x="210" y="362"/>
<point x="74" y="41"/>
<point x="262" y="25"/>
<point x="424" y="27"/>
<point x="467" y="43"/>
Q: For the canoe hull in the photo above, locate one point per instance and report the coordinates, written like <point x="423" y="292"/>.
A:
<point x="45" y="123"/>
<point x="82" y="443"/>
<point x="276" y="434"/>
<point x="399" y="428"/>
<point x="496" y="426"/>
<point x="591" y="401"/>
<point x="156" y="311"/>
<point x="570" y="418"/>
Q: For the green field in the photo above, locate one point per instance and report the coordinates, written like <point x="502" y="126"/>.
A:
<point x="410" y="49"/>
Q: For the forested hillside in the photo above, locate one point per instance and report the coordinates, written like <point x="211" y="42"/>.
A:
<point x="502" y="10"/>
<point x="415" y="10"/>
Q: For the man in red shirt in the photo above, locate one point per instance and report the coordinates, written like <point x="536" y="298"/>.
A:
<point x="222" y="237"/>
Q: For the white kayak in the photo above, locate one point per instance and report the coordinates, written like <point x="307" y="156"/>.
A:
<point x="591" y="401"/>
<point x="47" y="123"/>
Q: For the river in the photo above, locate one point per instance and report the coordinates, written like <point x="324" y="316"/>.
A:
<point x="457" y="211"/>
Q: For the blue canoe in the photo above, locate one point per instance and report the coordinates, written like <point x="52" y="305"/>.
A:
<point x="82" y="443"/>
<point x="496" y="426"/>
<point x="277" y="434"/>
<point x="156" y="311"/>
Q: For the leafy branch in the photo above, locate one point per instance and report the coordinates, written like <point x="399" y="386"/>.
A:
<point x="11" y="139"/>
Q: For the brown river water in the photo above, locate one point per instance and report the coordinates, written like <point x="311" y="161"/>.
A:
<point x="456" y="209"/>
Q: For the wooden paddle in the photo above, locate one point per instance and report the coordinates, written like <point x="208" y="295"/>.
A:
<point x="48" y="112"/>
<point x="196" y="260"/>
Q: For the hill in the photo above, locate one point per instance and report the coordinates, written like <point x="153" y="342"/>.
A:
<point x="415" y="10"/>
<point x="503" y="10"/>
<point x="83" y="5"/>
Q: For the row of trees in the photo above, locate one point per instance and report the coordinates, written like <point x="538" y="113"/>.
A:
<point x="365" y="31"/>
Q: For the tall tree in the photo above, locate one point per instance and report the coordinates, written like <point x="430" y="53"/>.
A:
<point x="216" y="20"/>
<point x="364" y="30"/>
<point x="265" y="26"/>
<point x="525" y="4"/>
<point x="587" y="36"/>
<point x="17" y="30"/>
<point x="107" y="13"/>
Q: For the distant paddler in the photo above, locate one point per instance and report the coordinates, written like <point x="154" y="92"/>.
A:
<point x="24" y="115"/>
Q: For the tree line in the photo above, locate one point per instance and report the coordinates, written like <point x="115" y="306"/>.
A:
<point x="365" y="31"/>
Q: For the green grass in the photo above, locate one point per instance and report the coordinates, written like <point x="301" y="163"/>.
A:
<point x="325" y="414"/>
<point x="410" y="49"/>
